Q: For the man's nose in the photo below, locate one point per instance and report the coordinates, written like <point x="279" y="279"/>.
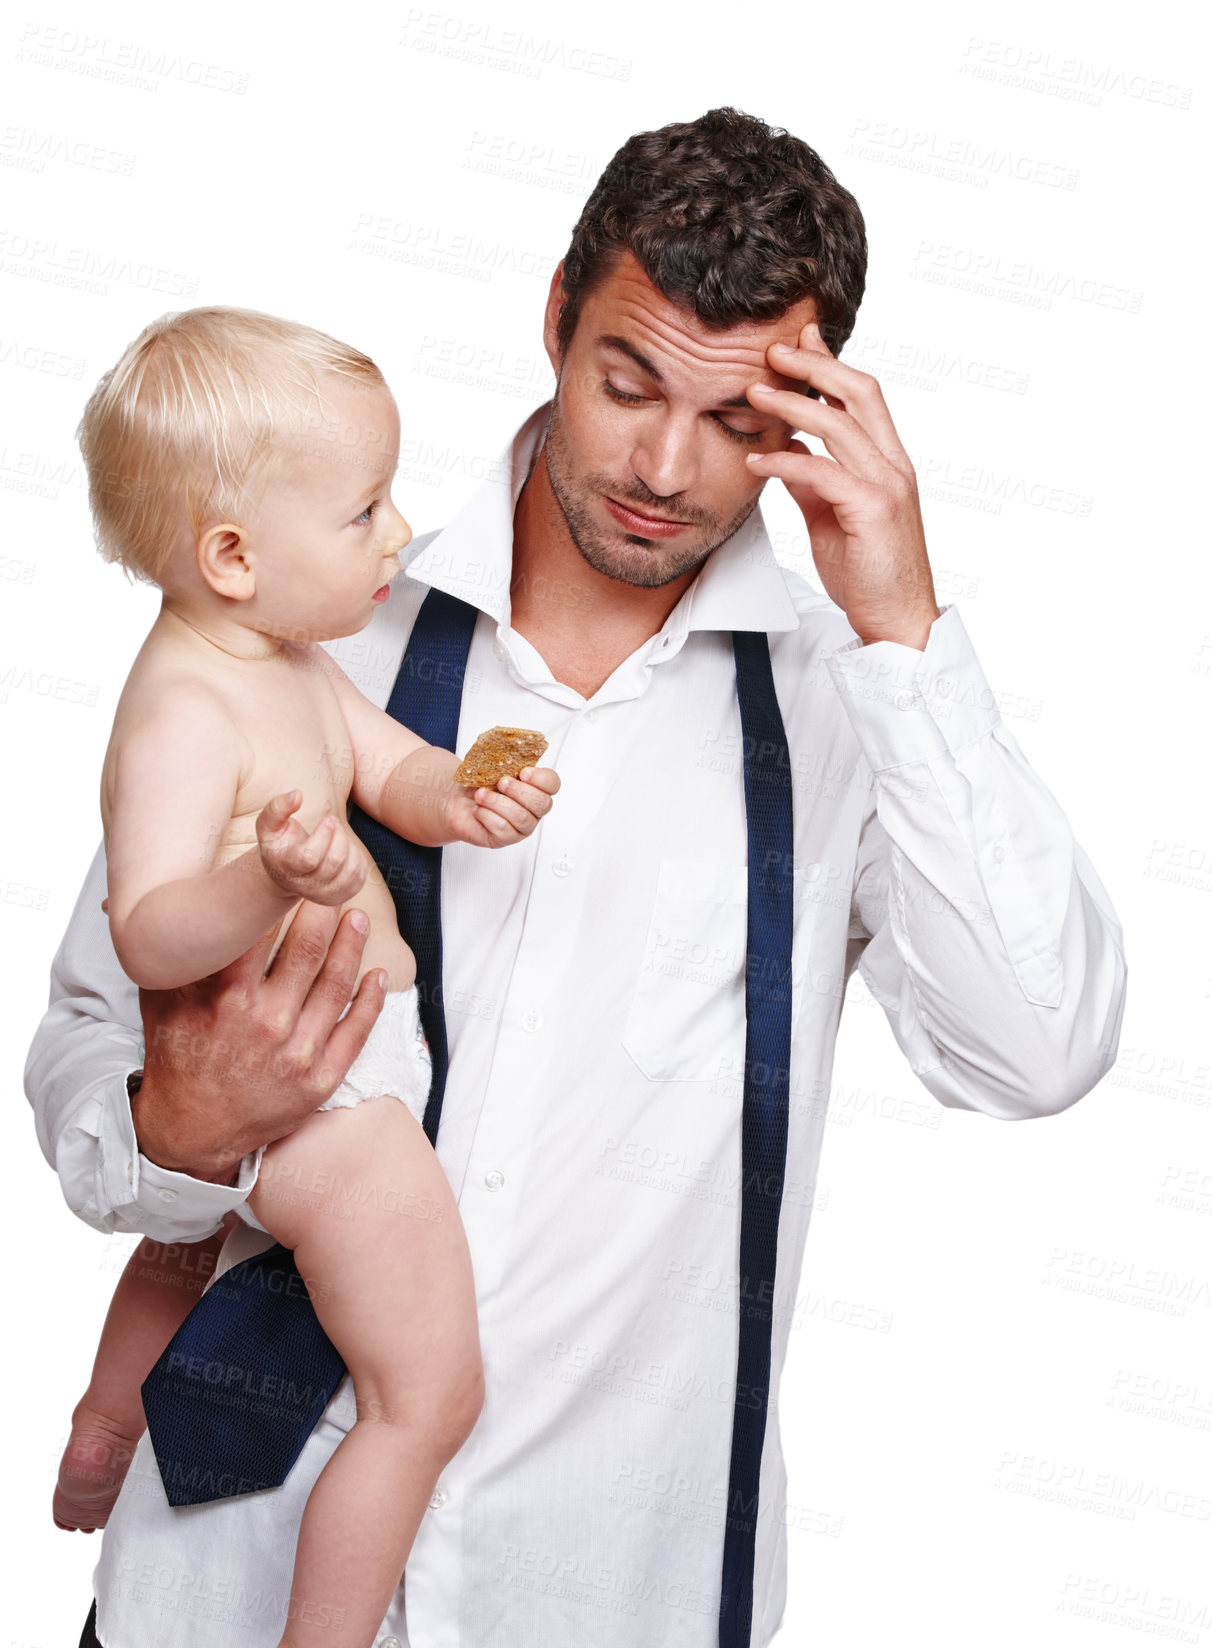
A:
<point x="665" y="458"/>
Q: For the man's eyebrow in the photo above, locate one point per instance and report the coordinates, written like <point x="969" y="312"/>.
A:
<point x="632" y="353"/>
<point x="624" y="348"/>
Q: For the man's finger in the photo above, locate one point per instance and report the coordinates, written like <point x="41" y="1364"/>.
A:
<point x="826" y="478"/>
<point x="303" y="954"/>
<point x="844" y="437"/>
<point x="347" y="1039"/>
<point x="858" y="392"/>
<point x="332" y="983"/>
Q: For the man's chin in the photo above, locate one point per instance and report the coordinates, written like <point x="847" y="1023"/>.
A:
<point x="641" y="565"/>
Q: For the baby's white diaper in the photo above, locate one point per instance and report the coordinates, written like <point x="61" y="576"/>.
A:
<point x="395" y="1059"/>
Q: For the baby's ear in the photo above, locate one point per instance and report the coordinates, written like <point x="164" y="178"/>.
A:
<point x="225" y="561"/>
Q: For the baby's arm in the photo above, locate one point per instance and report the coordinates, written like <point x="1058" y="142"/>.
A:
<point x="170" y="791"/>
<point x="406" y="783"/>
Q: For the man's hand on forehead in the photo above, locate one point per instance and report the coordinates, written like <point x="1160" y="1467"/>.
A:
<point x="787" y="348"/>
<point x="860" y="503"/>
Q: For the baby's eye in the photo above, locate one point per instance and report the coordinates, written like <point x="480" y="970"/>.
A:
<point x="364" y="518"/>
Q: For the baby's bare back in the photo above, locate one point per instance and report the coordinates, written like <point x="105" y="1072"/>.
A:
<point x="291" y="734"/>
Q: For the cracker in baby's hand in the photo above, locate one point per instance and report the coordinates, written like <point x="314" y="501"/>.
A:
<point x="499" y="752"/>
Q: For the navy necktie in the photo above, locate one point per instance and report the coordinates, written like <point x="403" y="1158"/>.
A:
<point x="427" y="697"/>
<point x="258" y="1449"/>
<point x="768" y="815"/>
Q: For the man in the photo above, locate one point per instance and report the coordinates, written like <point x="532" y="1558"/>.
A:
<point x="596" y="981"/>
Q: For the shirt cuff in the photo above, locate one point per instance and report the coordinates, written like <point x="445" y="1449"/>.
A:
<point x="908" y="706"/>
<point x="166" y="1196"/>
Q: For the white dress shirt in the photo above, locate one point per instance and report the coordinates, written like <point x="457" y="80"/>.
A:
<point x="594" y="990"/>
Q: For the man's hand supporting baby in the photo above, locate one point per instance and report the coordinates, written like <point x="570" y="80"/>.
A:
<point x="236" y="1060"/>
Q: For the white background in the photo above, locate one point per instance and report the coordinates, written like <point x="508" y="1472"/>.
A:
<point x="1021" y="1448"/>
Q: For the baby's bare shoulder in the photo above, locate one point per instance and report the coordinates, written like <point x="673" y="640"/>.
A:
<point x="277" y="720"/>
<point x="166" y="688"/>
<point x="174" y="695"/>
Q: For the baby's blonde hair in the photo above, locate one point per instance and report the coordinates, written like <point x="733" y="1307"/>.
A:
<point x="171" y="433"/>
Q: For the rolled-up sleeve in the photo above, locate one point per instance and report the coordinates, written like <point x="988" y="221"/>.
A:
<point x="978" y="922"/>
<point x="87" y="1045"/>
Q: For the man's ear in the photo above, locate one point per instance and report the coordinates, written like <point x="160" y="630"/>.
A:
<point x="556" y="300"/>
<point x="225" y="561"/>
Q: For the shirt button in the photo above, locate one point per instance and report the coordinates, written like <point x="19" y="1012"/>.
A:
<point x="591" y="715"/>
<point x="562" y="865"/>
<point x="532" y="1020"/>
<point x="999" y="854"/>
<point x="904" y="700"/>
<point x="494" y="1179"/>
<point x="167" y="1195"/>
<point x="390" y="1642"/>
<point x="436" y="1500"/>
<point x="130" y="1173"/>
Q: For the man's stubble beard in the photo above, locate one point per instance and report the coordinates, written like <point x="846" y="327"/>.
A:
<point x="645" y="567"/>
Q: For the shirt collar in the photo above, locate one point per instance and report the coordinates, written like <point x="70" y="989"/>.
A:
<point x="741" y="586"/>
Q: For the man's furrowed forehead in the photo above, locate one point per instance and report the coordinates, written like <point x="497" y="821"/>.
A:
<point x="627" y="305"/>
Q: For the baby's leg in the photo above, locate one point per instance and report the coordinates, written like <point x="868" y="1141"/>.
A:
<point x="155" y="1293"/>
<point x="360" y="1197"/>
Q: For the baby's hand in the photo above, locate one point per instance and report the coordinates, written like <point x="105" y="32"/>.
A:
<point x="508" y="813"/>
<point x="328" y="866"/>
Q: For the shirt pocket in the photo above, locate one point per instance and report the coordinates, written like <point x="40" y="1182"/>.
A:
<point x="686" y="1021"/>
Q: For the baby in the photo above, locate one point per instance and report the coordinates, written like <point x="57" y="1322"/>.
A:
<point x="243" y="464"/>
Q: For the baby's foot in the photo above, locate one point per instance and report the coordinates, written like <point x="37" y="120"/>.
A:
<point x="93" y="1467"/>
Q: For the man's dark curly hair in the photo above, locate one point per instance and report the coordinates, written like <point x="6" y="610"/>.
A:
<point x="727" y="216"/>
